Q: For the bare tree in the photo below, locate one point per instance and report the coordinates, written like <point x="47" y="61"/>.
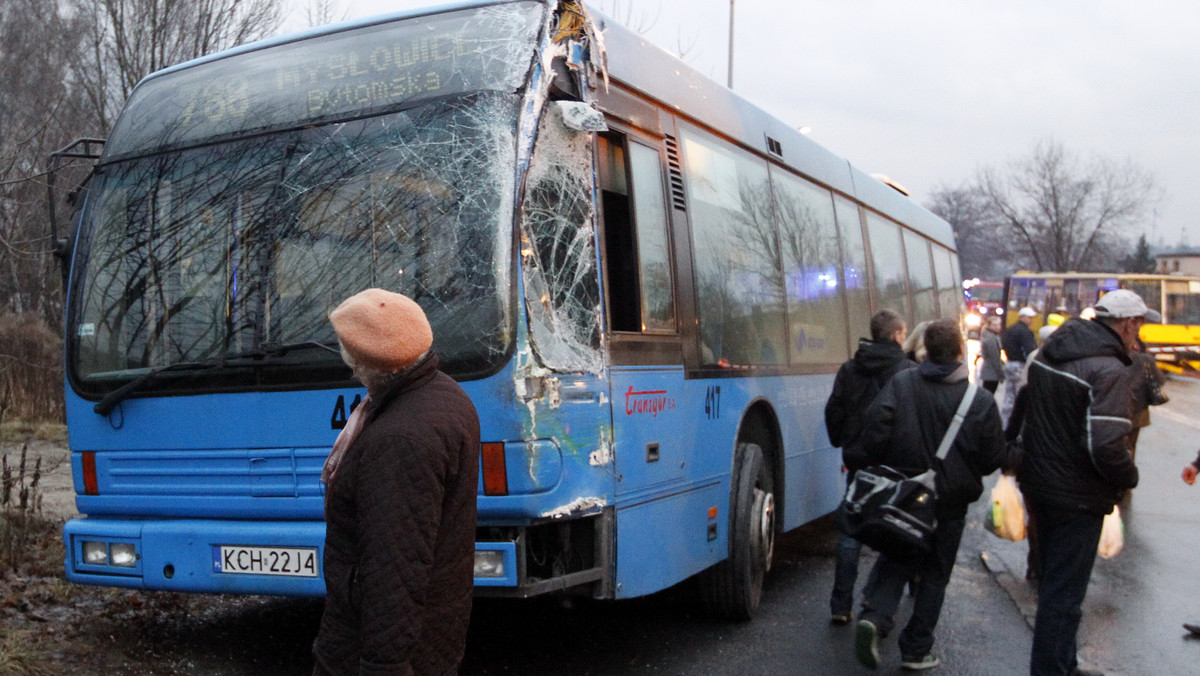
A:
<point x="1056" y="211"/>
<point x="129" y="39"/>
<point x="323" y="12"/>
<point x="982" y="251"/>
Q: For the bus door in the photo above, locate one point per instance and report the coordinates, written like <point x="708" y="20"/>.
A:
<point x="652" y="444"/>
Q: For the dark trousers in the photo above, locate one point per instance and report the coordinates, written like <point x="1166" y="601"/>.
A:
<point x="845" y="573"/>
<point x="1068" y="542"/>
<point x="886" y="585"/>
<point x="991" y="385"/>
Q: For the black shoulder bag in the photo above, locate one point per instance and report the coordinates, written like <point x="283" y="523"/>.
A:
<point x="893" y="513"/>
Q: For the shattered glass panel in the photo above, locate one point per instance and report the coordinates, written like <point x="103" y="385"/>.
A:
<point x="808" y="235"/>
<point x="355" y="73"/>
<point x="249" y="244"/>
<point x="738" y="262"/>
<point x="562" y="296"/>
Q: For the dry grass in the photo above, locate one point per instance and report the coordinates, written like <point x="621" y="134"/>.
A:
<point x="18" y="431"/>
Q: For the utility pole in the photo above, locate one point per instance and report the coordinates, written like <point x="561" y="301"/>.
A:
<point x="730" y="84"/>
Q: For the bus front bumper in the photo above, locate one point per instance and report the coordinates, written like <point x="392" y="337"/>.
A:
<point x="227" y="557"/>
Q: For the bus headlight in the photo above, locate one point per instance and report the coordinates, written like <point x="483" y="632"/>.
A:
<point x="974" y="321"/>
<point x="123" y="554"/>
<point x="489" y="563"/>
<point x="95" y="553"/>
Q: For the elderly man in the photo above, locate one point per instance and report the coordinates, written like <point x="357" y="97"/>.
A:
<point x="399" y="502"/>
<point x="1075" y="410"/>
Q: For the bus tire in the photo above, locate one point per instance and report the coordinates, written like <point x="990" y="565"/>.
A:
<point x="732" y="589"/>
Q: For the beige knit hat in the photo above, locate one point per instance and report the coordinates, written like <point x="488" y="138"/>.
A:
<point x="382" y="330"/>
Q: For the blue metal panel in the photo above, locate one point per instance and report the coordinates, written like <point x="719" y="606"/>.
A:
<point x="665" y="541"/>
<point x="654" y="446"/>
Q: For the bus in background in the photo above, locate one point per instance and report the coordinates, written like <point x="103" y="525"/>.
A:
<point x="1175" y="342"/>
<point x="645" y="283"/>
<point x="983" y="300"/>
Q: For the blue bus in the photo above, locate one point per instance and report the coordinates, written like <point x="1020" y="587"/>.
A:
<point x="644" y="282"/>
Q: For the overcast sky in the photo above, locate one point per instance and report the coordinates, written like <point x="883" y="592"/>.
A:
<point x="927" y="91"/>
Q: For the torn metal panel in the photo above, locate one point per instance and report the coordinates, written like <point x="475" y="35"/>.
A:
<point x="577" y="507"/>
<point x="585" y="44"/>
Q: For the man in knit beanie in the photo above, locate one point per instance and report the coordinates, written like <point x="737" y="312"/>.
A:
<point x="399" y="501"/>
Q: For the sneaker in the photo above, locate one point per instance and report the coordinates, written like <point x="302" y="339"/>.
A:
<point x="866" y="643"/>
<point x="928" y="661"/>
<point x="842" y="618"/>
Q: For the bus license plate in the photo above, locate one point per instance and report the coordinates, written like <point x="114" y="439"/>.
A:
<point x="295" y="562"/>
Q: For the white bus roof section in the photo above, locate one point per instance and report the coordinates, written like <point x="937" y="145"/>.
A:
<point x="658" y="74"/>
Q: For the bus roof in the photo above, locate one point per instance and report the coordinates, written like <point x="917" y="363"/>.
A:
<point x="655" y="72"/>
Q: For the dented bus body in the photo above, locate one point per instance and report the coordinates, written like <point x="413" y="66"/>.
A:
<point x="644" y="282"/>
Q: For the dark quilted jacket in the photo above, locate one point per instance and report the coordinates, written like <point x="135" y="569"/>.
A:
<point x="400" y="538"/>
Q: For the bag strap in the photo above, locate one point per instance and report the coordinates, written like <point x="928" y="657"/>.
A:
<point x="959" y="415"/>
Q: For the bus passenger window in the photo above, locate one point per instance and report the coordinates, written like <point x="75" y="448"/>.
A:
<point x="654" y="254"/>
<point x="637" y="254"/>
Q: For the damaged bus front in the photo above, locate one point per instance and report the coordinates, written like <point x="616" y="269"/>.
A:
<point x="239" y="199"/>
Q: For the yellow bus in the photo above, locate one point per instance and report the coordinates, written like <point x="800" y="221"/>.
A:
<point x="1057" y="295"/>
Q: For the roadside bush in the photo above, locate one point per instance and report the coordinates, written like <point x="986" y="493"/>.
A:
<point x="31" y="381"/>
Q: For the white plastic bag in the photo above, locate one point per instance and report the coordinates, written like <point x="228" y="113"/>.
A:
<point x="1006" y="518"/>
<point x="1112" y="535"/>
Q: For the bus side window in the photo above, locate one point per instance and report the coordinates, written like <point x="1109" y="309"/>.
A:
<point x="637" y="255"/>
<point x="891" y="276"/>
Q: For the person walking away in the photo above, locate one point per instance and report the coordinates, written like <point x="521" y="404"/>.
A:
<point x="902" y="429"/>
<point x="400" y="505"/>
<point x="989" y="349"/>
<point x="854" y="388"/>
<point x="1018" y="343"/>
<point x="1076" y="466"/>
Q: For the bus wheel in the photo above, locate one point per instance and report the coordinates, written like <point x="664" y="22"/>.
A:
<point x="732" y="588"/>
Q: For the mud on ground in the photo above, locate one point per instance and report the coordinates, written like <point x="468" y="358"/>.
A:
<point x="48" y="626"/>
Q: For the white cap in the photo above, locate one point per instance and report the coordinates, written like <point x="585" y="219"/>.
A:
<point x="1123" y="303"/>
<point x="1027" y="312"/>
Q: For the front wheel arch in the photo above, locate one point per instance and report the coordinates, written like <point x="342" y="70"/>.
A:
<point x="732" y="589"/>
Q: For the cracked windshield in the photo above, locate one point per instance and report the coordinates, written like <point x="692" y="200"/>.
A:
<point x="212" y="250"/>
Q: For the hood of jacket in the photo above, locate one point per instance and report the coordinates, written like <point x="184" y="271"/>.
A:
<point x="954" y="372"/>
<point x="1081" y="338"/>
<point x="876" y="357"/>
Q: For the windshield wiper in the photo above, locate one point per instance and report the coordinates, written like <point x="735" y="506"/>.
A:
<point x="109" y="401"/>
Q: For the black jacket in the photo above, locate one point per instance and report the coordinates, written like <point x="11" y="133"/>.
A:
<point x="1018" y="342"/>
<point x="1076" y="416"/>
<point x="906" y="422"/>
<point x="400" y="533"/>
<point x="854" y="388"/>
